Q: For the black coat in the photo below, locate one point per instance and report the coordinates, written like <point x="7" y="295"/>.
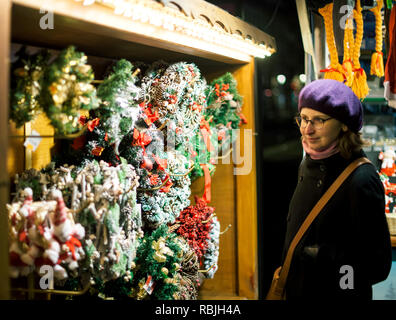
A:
<point x="351" y="230"/>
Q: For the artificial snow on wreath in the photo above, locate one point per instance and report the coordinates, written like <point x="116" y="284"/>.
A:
<point x="119" y="108"/>
<point x="103" y="199"/>
<point x="211" y="255"/>
<point x="178" y="95"/>
<point x="164" y="183"/>
<point x="162" y="204"/>
<point x="221" y="117"/>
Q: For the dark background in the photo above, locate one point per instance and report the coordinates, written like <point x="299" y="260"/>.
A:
<point x="278" y="146"/>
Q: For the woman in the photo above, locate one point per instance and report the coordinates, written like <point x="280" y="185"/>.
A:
<point x="347" y="248"/>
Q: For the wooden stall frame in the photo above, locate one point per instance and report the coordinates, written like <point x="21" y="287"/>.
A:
<point x="97" y="32"/>
<point x="5" y="16"/>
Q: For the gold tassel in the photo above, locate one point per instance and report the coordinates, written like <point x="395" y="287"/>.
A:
<point x="359" y="84"/>
<point x="335" y="71"/>
<point x="377" y="61"/>
<point x="347" y="63"/>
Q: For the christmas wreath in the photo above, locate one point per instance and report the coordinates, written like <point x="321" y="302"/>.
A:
<point x="26" y="77"/>
<point x="66" y="89"/>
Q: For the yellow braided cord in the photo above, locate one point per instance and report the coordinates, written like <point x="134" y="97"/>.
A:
<point x="377" y="62"/>
<point x="347" y="61"/>
<point x="359" y="84"/>
<point x="357" y="14"/>
<point x="337" y="72"/>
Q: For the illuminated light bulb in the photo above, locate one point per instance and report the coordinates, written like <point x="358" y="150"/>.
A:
<point x="135" y="15"/>
<point x="281" y="79"/>
<point x="120" y="7"/>
<point x="200" y="30"/>
<point x="166" y="24"/>
<point x="88" y="2"/>
<point x="128" y="11"/>
<point x="303" y="78"/>
<point x="144" y="17"/>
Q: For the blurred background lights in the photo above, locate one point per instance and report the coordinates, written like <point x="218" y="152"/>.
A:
<point x="281" y="79"/>
<point x="303" y="77"/>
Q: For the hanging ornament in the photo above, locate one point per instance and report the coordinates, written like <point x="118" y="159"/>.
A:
<point x="335" y="70"/>
<point x="377" y="59"/>
<point x="347" y="64"/>
<point x="359" y="84"/>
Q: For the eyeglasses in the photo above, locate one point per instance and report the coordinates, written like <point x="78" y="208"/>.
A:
<point x="317" y="123"/>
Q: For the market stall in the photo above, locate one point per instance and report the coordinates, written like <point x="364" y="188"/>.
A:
<point x="102" y="48"/>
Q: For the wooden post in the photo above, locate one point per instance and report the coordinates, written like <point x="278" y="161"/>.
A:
<point x="246" y="190"/>
<point x="5" y="18"/>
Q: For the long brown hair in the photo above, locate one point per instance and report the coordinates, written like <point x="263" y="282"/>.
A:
<point x="350" y="142"/>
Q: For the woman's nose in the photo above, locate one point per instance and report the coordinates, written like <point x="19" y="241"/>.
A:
<point x="309" y="128"/>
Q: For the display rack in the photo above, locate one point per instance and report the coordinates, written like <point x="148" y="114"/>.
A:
<point x="99" y="32"/>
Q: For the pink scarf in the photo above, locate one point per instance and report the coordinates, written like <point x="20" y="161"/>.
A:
<point x="317" y="155"/>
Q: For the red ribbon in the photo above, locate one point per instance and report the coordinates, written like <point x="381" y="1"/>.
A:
<point x="72" y="243"/>
<point x="333" y="70"/>
<point x="162" y="163"/>
<point x="205" y="131"/>
<point x="151" y="116"/>
<point x="167" y="185"/>
<point x="92" y="124"/>
<point x="243" y="118"/>
<point x="207" y="197"/>
<point x="141" y="139"/>
<point x="359" y="70"/>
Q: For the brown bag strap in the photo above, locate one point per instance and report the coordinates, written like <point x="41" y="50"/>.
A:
<point x="312" y="215"/>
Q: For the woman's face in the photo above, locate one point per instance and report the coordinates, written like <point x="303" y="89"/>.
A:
<point x="320" y="139"/>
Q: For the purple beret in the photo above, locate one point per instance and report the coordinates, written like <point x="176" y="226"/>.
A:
<point x="334" y="99"/>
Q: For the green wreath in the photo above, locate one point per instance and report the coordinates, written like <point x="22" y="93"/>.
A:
<point x="26" y="86"/>
<point x="67" y="88"/>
